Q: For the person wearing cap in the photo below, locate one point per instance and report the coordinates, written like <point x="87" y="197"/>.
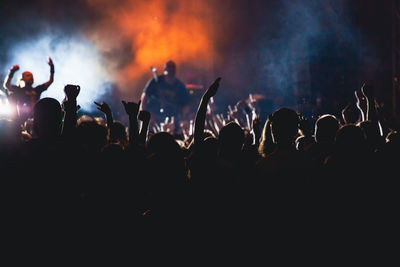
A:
<point x="23" y="96"/>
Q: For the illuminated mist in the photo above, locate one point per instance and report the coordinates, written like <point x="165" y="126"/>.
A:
<point x="75" y="60"/>
<point x="152" y="32"/>
<point x="283" y="49"/>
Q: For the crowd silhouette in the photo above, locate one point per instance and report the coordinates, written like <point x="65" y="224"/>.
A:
<point x="282" y="189"/>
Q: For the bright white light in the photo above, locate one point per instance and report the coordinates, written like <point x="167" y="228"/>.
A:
<point x="75" y="61"/>
<point x="5" y="108"/>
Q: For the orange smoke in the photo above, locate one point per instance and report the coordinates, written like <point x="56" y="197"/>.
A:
<point x="157" y="31"/>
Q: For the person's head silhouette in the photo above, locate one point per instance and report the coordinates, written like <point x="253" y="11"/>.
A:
<point x="47" y="117"/>
<point x="26" y="79"/>
<point x="284" y="126"/>
<point x="170" y="68"/>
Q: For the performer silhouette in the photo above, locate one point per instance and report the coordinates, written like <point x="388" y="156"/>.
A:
<point x="165" y="95"/>
<point x="24" y="96"/>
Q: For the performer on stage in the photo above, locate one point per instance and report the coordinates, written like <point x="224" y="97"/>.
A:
<point x="165" y="95"/>
<point x="24" y="96"/>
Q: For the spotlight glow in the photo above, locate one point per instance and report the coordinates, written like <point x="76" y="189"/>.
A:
<point x="5" y="108"/>
<point x="75" y="60"/>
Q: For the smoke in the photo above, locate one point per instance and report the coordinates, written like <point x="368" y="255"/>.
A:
<point x="269" y="47"/>
<point x="295" y="48"/>
<point x="150" y="33"/>
<point x="96" y="43"/>
<point x="76" y="62"/>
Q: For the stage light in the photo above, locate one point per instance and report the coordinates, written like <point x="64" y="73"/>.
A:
<point x="76" y="62"/>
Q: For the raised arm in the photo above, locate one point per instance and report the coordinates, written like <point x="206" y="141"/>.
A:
<point x="51" y="78"/>
<point x="105" y="108"/>
<point x="374" y="112"/>
<point x="7" y="81"/>
<point x="361" y="103"/>
<point x="201" y="113"/>
<point x="144" y="116"/>
<point x="368" y="92"/>
<point x="70" y="108"/>
<point x="256" y="130"/>
<point x="132" y="109"/>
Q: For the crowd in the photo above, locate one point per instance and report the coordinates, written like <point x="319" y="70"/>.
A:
<point x="283" y="189"/>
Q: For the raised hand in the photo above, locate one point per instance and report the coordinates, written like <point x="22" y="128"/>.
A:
<point x="156" y="128"/>
<point x="233" y="112"/>
<point x="252" y="102"/>
<point x="202" y="113"/>
<point x="242" y="104"/>
<point x="360" y="100"/>
<point x="7" y="82"/>
<point x="218" y="121"/>
<point x="168" y="125"/>
<point x="103" y="107"/>
<point x="351" y="115"/>
<point x="70" y="108"/>
<point x="212" y="90"/>
<point x="14" y="68"/>
<point x="72" y="91"/>
<point x="50" y="62"/>
<point x="361" y="103"/>
<point x="367" y="90"/>
<point x="131" y="108"/>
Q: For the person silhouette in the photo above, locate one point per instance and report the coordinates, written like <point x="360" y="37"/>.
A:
<point x="23" y="96"/>
<point x="165" y="95"/>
